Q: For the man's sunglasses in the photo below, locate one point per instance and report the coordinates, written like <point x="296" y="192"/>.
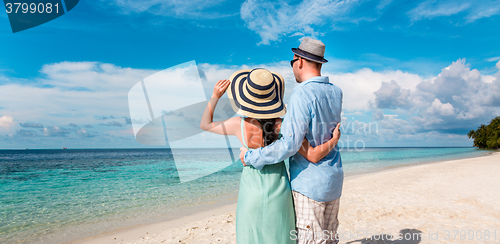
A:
<point x="293" y="61"/>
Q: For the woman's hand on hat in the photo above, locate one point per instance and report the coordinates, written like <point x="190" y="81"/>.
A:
<point x="220" y="88"/>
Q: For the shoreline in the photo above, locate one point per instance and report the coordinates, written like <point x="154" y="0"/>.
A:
<point x="226" y="212"/>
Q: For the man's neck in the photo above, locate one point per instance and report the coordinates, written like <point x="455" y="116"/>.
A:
<point x="310" y="75"/>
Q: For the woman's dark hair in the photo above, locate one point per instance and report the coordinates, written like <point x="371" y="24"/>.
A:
<point x="268" y="132"/>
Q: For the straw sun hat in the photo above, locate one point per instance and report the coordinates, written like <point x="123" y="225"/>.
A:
<point x="257" y="93"/>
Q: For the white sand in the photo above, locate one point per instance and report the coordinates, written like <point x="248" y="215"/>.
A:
<point x="446" y="202"/>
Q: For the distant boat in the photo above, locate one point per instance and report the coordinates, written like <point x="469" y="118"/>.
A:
<point x="65" y="147"/>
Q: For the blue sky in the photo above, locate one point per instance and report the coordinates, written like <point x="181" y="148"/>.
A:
<point x="426" y="72"/>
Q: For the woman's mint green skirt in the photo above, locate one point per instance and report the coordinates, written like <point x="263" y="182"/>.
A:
<point x="265" y="214"/>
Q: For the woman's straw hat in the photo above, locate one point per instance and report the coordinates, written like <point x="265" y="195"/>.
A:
<point x="257" y="93"/>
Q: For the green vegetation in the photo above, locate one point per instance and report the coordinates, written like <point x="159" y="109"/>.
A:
<point x="487" y="136"/>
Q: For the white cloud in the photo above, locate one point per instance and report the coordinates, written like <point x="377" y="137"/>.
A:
<point x="457" y="99"/>
<point x="383" y="3"/>
<point x="91" y="76"/>
<point x="431" y="9"/>
<point x="441" y="109"/>
<point x="72" y="99"/>
<point x="67" y="95"/>
<point x="491" y="96"/>
<point x="483" y="9"/>
<point x="3" y="79"/>
<point x="488" y="78"/>
<point x="493" y="59"/>
<point x="393" y="125"/>
<point x="391" y="95"/>
<point x="197" y="9"/>
<point x="6" y="121"/>
<point x="447" y="103"/>
<point x="476" y="10"/>
<point x="272" y="20"/>
<point x="359" y="87"/>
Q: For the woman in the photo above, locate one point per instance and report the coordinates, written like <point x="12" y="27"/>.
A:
<point x="265" y="208"/>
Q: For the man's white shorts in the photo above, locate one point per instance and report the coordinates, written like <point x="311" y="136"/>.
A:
<point x="316" y="222"/>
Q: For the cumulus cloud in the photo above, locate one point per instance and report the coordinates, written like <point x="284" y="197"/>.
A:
<point x="439" y="108"/>
<point x="393" y="125"/>
<point x="391" y="95"/>
<point x="455" y="101"/>
<point x="6" y="121"/>
<point x="359" y="86"/>
<point x="71" y="90"/>
<point x="69" y="99"/>
<point x="475" y="10"/>
<point x="450" y="103"/>
<point x="491" y="96"/>
<point x="65" y="93"/>
<point x="271" y="20"/>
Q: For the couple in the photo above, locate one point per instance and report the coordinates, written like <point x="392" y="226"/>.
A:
<point x="269" y="210"/>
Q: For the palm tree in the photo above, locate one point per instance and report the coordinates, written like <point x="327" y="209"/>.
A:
<point x="487" y="136"/>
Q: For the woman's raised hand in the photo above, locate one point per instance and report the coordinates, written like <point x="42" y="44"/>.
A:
<point x="220" y="88"/>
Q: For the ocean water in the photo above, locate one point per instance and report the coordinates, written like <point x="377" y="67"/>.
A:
<point x="58" y="196"/>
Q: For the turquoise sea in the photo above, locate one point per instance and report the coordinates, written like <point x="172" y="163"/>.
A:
<point x="59" y="196"/>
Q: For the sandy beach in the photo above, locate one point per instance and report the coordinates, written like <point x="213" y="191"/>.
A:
<point x="445" y="202"/>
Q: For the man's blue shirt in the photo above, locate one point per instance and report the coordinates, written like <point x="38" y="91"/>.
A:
<point x="313" y="111"/>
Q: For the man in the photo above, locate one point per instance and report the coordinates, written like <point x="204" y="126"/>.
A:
<point x="314" y="110"/>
